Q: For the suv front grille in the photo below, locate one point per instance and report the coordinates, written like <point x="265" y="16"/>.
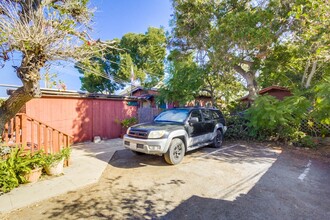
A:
<point x="139" y="134"/>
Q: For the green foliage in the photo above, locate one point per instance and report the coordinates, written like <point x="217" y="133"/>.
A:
<point x="127" y="122"/>
<point x="147" y="52"/>
<point x="321" y="110"/>
<point x="185" y="81"/>
<point x="237" y="128"/>
<point x="139" y="54"/>
<point x="272" y="119"/>
<point x="53" y="158"/>
<point x="306" y="141"/>
<point x="15" y="165"/>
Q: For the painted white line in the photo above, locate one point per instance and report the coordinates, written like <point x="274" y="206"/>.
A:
<point x="304" y="174"/>
<point x="225" y="148"/>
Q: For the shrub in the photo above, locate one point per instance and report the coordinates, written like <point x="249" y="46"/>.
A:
<point x="306" y="141"/>
<point x="127" y="122"/>
<point x="13" y="169"/>
<point x="272" y="119"/>
<point x="321" y="111"/>
<point x="237" y="128"/>
<point x="52" y="158"/>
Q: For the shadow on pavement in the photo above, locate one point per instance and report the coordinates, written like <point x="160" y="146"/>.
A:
<point x="109" y="201"/>
<point x="127" y="159"/>
<point x="279" y="194"/>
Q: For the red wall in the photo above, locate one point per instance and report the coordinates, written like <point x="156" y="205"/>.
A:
<point x="279" y="94"/>
<point x="81" y="117"/>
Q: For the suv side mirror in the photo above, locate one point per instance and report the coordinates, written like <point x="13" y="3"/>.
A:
<point x="193" y="120"/>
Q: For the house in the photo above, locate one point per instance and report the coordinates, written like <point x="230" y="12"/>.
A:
<point x="278" y="92"/>
<point x="147" y="98"/>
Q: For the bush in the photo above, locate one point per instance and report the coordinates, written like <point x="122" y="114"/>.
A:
<point x="52" y="158"/>
<point x="321" y="110"/>
<point x="15" y="166"/>
<point x="306" y="141"/>
<point x="127" y="122"/>
<point x="237" y="128"/>
<point x="272" y="119"/>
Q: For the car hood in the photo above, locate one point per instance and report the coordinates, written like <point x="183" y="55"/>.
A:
<point x="168" y="126"/>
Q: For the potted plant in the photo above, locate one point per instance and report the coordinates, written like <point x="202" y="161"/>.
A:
<point x="125" y="124"/>
<point x="19" y="167"/>
<point x="35" y="163"/>
<point x="54" y="163"/>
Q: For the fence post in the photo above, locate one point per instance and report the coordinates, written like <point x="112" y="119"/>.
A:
<point x="39" y="135"/>
<point x="18" y="119"/>
<point x="23" y="129"/>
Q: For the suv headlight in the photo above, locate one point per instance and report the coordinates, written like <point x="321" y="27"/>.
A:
<point x="157" y="134"/>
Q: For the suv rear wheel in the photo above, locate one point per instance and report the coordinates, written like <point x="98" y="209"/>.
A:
<point x="175" y="152"/>
<point x="217" y="141"/>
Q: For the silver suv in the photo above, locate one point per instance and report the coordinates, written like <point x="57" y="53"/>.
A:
<point x="177" y="131"/>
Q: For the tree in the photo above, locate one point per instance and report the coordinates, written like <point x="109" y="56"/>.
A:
<point x="187" y="80"/>
<point x="101" y="72"/>
<point x="303" y="60"/>
<point x="38" y="32"/>
<point x="139" y="54"/>
<point x="235" y="34"/>
<point x="147" y="52"/>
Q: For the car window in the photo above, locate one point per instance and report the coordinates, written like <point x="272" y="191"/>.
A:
<point x="196" y="114"/>
<point x="173" y="115"/>
<point x="217" y="115"/>
<point x="207" y="115"/>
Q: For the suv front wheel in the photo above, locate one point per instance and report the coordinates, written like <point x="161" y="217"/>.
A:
<point x="175" y="152"/>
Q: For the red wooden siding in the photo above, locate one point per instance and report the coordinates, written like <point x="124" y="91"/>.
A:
<point x="82" y="118"/>
<point x="279" y="94"/>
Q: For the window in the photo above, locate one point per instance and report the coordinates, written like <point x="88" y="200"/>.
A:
<point x="173" y="115"/>
<point x="196" y="114"/>
<point x="216" y="115"/>
<point x="207" y="115"/>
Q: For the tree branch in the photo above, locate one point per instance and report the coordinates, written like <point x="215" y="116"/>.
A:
<point x="310" y="76"/>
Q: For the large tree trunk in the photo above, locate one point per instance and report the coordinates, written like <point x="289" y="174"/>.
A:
<point x="16" y="101"/>
<point x="12" y="105"/>
<point x="29" y="75"/>
<point x="251" y="82"/>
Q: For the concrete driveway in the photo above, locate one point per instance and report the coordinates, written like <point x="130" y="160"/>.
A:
<point x="236" y="182"/>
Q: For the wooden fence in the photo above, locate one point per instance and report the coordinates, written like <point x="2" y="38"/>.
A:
<point x="147" y="114"/>
<point x="34" y="135"/>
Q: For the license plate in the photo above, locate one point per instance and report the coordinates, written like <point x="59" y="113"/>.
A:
<point x="140" y="146"/>
<point x="127" y="143"/>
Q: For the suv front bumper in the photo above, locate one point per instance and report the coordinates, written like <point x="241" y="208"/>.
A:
<point x="147" y="146"/>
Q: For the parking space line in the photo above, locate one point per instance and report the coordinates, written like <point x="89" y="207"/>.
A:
<point x="304" y="174"/>
<point x="219" y="150"/>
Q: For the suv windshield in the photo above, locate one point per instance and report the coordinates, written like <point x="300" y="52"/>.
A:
<point x="173" y="115"/>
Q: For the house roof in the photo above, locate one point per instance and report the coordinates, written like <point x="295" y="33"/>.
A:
<point x="265" y="90"/>
<point x="273" y="88"/>
<point x="79" y="94"/>
<point x="130" y="90"/>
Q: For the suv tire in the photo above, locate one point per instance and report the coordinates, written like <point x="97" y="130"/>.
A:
<point x="217" y="141"/>
<point x="175" y="152"/>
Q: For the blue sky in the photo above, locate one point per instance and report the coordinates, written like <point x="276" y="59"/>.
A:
<point x="113" y="19"/>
